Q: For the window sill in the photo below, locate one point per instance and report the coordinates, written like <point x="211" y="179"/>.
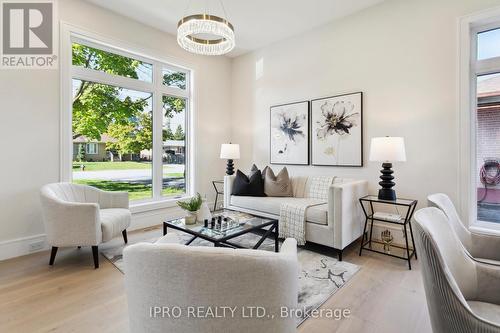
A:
<point x="145" y="206"/>
<point x="487" y="228"/>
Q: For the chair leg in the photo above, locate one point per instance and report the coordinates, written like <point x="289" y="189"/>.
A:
<point x="124" y="233"/>
<point x="95" y="253"/>
<point x="53" y="255"/>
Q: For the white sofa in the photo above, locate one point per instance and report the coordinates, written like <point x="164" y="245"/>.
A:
<point x="166" y="284"/>
<point x="79" y="215"/>
<point x="335" y="224"/>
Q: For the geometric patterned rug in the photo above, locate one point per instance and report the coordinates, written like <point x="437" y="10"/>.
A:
<point x="320" y="275"/>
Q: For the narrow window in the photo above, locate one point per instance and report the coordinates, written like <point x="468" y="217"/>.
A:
<point x="487" y="161"/>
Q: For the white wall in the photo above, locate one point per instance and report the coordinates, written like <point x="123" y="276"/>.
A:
<point x="402" y="54"/>
<point x="29" y="136"/>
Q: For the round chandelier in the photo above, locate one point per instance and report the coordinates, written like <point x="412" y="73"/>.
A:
<point x="205" y="34"/>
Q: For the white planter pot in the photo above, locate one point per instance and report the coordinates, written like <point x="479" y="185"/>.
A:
<point x="190" y="218"/>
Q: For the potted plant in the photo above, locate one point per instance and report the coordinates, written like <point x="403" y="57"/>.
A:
<point x="191" y="206"/>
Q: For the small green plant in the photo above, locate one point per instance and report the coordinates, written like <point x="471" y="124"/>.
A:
<point x="191" y="205"/>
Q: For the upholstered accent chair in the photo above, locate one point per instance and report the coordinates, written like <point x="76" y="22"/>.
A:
<point x="79" y="215"/>
<point x="463" y="295"/>
<point x="482" y="247"/>
<point x="177" y="278"/>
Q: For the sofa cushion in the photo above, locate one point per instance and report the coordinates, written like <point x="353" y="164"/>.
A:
<point x="271" y="205"/>
<point x="113" y="222"/>
<point x="252" y="186"/>
<point x="277" y="185"/>
<point x="300" y="186"/>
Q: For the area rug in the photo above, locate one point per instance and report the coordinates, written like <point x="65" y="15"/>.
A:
<point x="320" y="276"/>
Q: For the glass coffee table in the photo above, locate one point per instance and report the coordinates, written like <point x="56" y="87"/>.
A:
<point x="220" y="235"/>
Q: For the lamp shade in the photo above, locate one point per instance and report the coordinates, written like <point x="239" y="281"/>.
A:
<point x="388" y="149"/>
<point x="229" y="151"/>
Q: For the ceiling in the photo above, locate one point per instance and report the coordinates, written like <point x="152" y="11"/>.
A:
<point x="257" y="23"/>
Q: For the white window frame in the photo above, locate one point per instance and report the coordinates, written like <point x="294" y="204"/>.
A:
<point x="94" y="151"/>
<point x="70" y="34"/>
<point x="468" y="70"/>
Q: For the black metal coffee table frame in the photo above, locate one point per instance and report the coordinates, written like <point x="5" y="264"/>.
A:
<point x="224" y="241"/>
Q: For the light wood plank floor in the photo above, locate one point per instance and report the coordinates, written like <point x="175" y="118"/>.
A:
<point x="384" y="296"/>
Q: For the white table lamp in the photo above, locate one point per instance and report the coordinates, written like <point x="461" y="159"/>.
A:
<point x="230" y="152"/>
<point x="387" y="150"/>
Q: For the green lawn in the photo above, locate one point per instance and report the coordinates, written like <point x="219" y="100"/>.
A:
<point x="173" y="174"/>
<point x="130" y="165"/>
<point x="135" y="191"/>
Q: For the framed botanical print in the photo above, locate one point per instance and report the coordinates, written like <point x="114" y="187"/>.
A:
<point x="337" y="130"/>
<point x="289" y="143"/>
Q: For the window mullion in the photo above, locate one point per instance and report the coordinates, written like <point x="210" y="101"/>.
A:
<point x="157" y="134"/>
<point x="175" y="92"/>
<point x="487" y="66"/>
<point x="92" y="75"/>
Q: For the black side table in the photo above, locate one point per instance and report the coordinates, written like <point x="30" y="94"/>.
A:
<point x="218" y="191"/>
<point x="409" y="206"/>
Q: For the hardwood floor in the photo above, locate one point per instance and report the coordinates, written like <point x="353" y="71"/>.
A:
<point x="384" y="296"/>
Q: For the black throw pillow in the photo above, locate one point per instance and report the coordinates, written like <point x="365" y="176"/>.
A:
<point x="253" y="186"/>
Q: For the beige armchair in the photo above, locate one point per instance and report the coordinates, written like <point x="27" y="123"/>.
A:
<point x="463" y="295"/>
<point x="482" y="247"/>
<point x="166" y="282"/>
<point x="79" y="215"/>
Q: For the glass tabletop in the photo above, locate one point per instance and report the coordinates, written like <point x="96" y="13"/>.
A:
<point x="398" y="201"/>
<point x="237" y="223"/>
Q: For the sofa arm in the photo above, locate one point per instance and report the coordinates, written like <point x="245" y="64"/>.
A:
<point x="70" y="223"/>
<point x="228" y="188"/>
<point x="345" y="215"/>
<point x="109" y="199"/>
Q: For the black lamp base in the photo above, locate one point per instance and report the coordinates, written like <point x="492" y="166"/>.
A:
<point x="230" y="168"/>
<point x="386" y="192"/>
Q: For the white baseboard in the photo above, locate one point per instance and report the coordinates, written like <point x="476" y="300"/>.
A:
<point x="22" y="246"/>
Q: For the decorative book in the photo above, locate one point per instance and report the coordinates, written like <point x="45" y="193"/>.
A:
<point x="387" y="216"/>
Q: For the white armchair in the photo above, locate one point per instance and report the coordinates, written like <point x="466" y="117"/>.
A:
<point x="174" y="278"/>
<point x="482" y="247"/>
<point x="79" y="215"/>
<point x="463" y="295"/>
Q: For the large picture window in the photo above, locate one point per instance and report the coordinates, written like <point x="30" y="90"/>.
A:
<point x="118" y="102"/>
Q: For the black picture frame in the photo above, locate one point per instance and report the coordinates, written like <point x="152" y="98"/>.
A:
<point x="312" y="135"/>
<point x="308" y="136"/>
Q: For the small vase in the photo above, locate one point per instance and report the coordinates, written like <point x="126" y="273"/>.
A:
<point x="190" y="218"/>
<point x="204" y="212"/>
